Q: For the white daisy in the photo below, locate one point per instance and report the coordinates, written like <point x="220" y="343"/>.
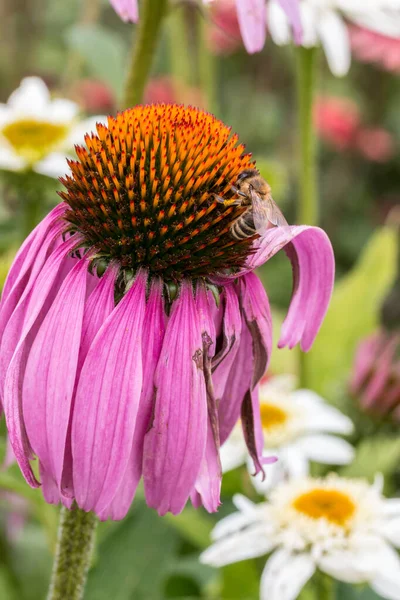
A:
<point x="36" y="132"/>
<point x="323" y="21"/>
<point x="296" y="426"/>
<point x="344" y="527"/>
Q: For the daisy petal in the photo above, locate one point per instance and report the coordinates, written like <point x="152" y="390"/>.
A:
<point x="242" y="545"/>
<point x="53" y="165"/>
<point x="335" y="39"/>
<point x="285" y="575"/>
<point x="325" y="449"/>
<point x="31" y="98"/>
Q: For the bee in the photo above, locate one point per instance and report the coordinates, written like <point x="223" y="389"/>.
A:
<point x="261" y="211"/>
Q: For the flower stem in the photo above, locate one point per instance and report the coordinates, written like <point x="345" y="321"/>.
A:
<point x="73" y="554"/>
<point x="143" y="49"/>
<point x="308" y="200"/>
<point x="307" y="160"/>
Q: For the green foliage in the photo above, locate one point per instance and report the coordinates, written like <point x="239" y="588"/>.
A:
<point x="103" y="52"/>
<point x="376" y="454"/>
<point x="240" y="581"/>
<point x="353" y="312"/>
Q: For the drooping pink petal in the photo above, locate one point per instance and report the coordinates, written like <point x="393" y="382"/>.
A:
<point x="252" y="427"/>
<point x="97" y="308"/>
<point x="32" y="308"/>
<point x="19" y="293"/>
<point x="292" y="10"/>
<point x="153" y="335"/>
<point x="50" y="373"/>
<point x="256" y="311"/>
<point x="175" y="444"/>
<point x="238" y="383"/>
<point x="311" y="254"/>
<point x="208" y="482"/>
<point x="127" y="9"/>
<point x="204" y="310"/>
<point x="26" y="256"/>
<point x="232" y="327"/>
<point x="106" y="402"/>
<point x="252" y="22"/>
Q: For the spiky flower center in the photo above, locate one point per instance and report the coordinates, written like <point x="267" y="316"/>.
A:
<point x="33" y="139"/>
<point x="330" y="504"/>
<point x="147" y="192"/>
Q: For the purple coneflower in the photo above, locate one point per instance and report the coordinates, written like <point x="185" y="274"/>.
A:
<point x="133" y="330"/>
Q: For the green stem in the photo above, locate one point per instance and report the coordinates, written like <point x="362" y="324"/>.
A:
<point x="74" y="550"/>
<point x="308" y="200"/>
<point x="207" y="64"/>
<point x="147" y="36"/>
<point x="307" y="160"/>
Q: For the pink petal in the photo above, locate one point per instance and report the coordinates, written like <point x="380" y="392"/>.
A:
<point x="153" y="335"/>
<point x="311" y="254"/>
<point x="256" y="311"/>
<point x="127" y="9"/>
<point x="98" y="307"/>
<point x="107" y="401"/>
<point x="205" y="312"/>
<point x="237" y="385"/>
<point x="174" y="446"/>
<point x="232" y="327"/>
<point x="18" y="295"/>
<point x="50" y="373"/>
<point x="252" y="428"/>
<point x="292" y="10"/>
<point x="27" y="254"/>
<point x="208" y="482"/>
<point x="42" y="293"/>
<point x="252" y="22"/>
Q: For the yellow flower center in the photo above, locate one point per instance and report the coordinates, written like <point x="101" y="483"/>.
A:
<point x="332" y="505"/>
<point x="272" y="415"/>
<point x="33" y="140"/>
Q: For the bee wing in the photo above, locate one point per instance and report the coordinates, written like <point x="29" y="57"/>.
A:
<point x="265" y="211"/>
<point x="275" y="215"/>
<point x="260" y="212"/>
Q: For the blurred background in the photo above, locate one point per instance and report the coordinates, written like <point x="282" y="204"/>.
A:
<point x="81" y="50"/>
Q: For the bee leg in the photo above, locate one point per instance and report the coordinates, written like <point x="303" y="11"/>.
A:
<point x="219" y="199"/>
<point x="237" y="191"/>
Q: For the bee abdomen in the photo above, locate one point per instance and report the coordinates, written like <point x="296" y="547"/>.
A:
<point x="243" y="227"/>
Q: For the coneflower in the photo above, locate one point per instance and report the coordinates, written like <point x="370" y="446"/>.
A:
<point x="133" y="330"/>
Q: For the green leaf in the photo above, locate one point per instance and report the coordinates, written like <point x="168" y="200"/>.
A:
<point x="12" y="481"/>
<point x="376" y="454"/>
<point x="346" y="591"/>
<point x="353" y="312"/>
<point x="133" y="558"/>
<point x="7" y="589"/>
<point x="102" y="50"/>
<point x="241" y="581"/>
<point x="193" y="525"/>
